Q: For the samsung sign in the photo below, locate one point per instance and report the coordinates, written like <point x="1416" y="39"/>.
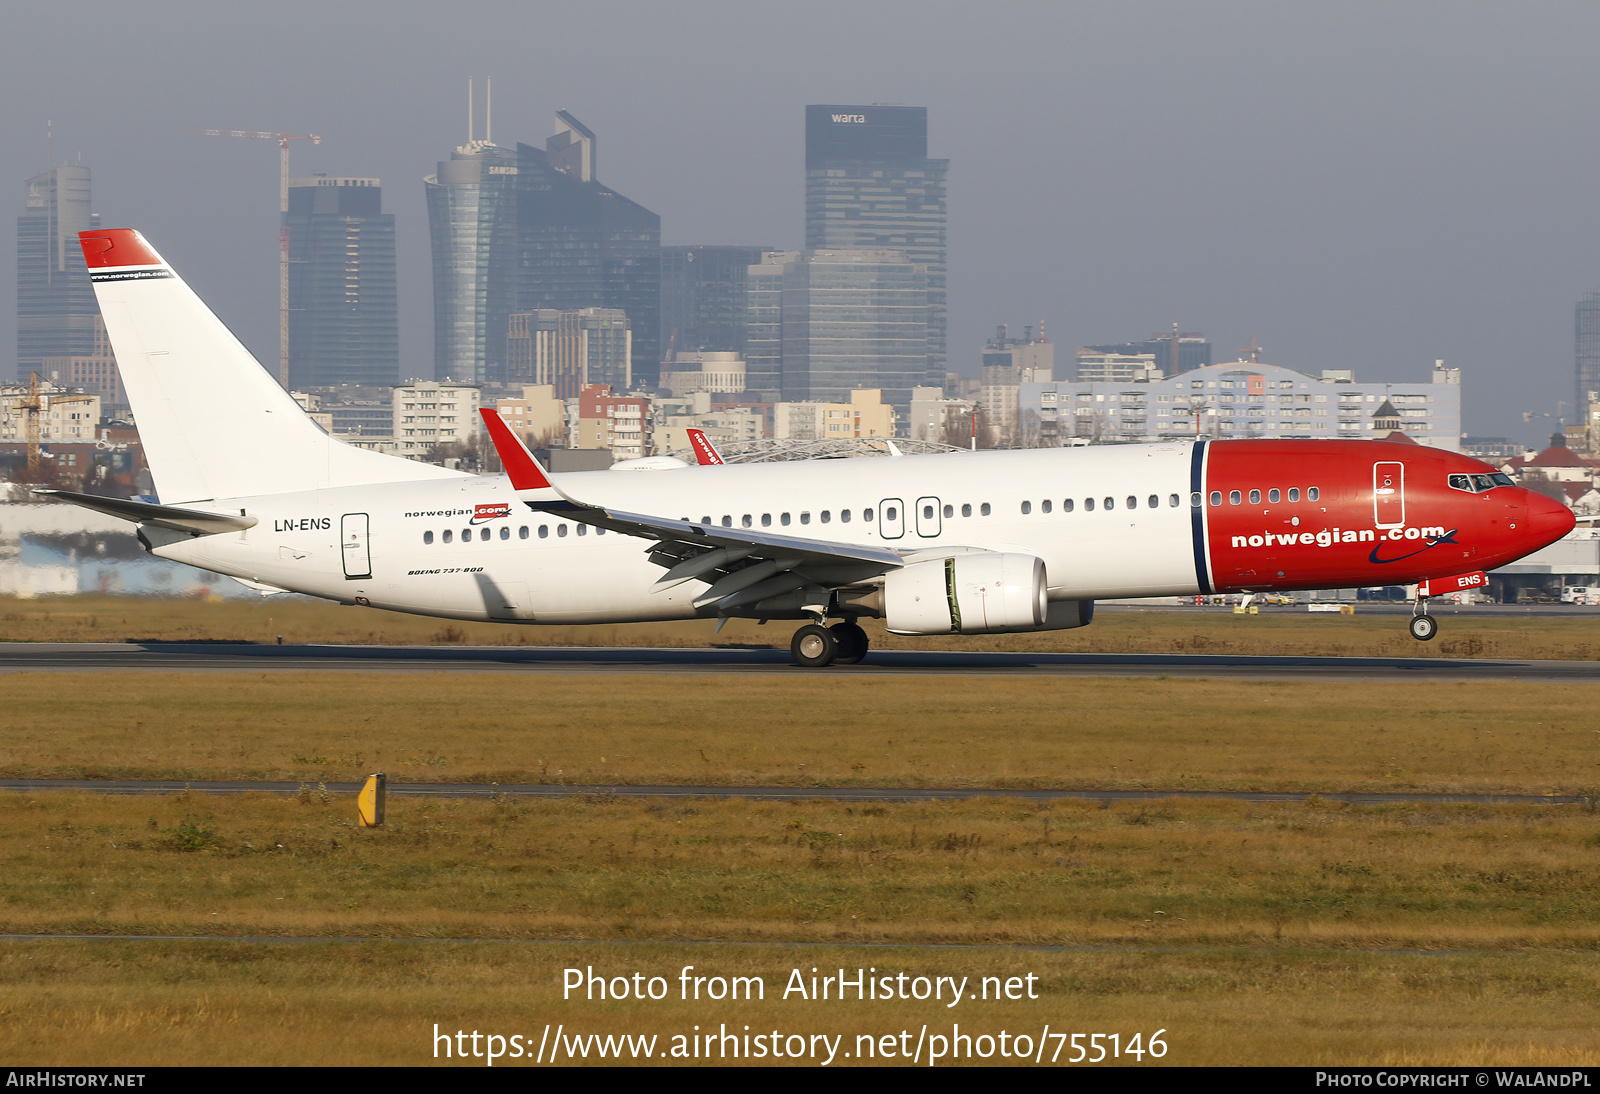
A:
<point x="848" y="119"/>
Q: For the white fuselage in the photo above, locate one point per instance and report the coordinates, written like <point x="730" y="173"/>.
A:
<point x="442" y="548"/>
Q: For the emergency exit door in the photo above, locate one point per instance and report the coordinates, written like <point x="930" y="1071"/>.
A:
<point x="1389" y="494"/>
<point x="353" y="546"/>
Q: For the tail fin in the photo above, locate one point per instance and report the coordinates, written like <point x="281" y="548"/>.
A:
<point x="213" y="423"/>
<point x="705" y="453"/>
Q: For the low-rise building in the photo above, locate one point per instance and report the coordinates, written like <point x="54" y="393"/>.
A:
<point x="1243" y="399"/>
<point x="936" y="418"/>
<point x="62" y="413"/>
<point x="621" y="423"/>
<point x="706" y="370"/>
<point x="865" y="415"/>
<point x="433" y="412"/>
<point x="538" y="417"/>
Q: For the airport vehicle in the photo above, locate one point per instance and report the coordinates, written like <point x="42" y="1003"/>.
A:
<point x="1580" y="594"/>
<point x="973" y="543"/>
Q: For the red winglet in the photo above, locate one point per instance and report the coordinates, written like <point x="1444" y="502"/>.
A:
<point x="705" y="453"/>
<point x="117" y="247"/>
<point x="524" y="470"/>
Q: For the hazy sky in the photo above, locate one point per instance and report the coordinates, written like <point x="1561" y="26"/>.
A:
<point x="1360" y="185"/>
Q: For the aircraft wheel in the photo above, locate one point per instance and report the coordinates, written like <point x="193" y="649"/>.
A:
<point x="852" y="641"/>
<point x="1424" y="627"/>
<point x="813" y="646"/>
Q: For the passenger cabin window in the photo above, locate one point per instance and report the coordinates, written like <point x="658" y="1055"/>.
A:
<point x="1172" y="501"/>
<point x="1110" y="504"/>
<point x="1294" y="493"/>
<point x="1255" y="497"/>
<point x="522" y="533"/>
<point x="727" y="521"/>
<point x="966" y="510"/>
<point x="844" y="516"/>
<point x="1027" y="507"/>
<point x="1044" y="506"/>
<point x="583" y="529"/>
<point x="805" y="518"/>
<point x="826" y="516"/>
<point x="1311" y="494"/>
<point x="983" y="510"/>
<point x="866" y="515"/>
<point x="1273" y="495"/>
<point x="766" y="520"/>
<point x="1216" y="497"/>
<point x="561" y="530"/>
<point x="448" y="535"/>
<point x="544" y="531"/>
<point x="1234" y="497"/>
<point x="1066" y="505"/>
<point x="1088" y="505"/>
<point x="483" y="534"/>
<point x="949" y="511"/>
<point x="427" y="537"/>
<point x="1155" y="501"/>
<point x="784" y="520"/>
<point x="466" y="535"/>
<point x="505" y="532"/>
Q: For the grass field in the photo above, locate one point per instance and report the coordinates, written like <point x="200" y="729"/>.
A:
<point x="1283" y="934"/>
<point x="803" y="730"/>
<point x="1250" y="934"/>
<point x="95" y="618"/>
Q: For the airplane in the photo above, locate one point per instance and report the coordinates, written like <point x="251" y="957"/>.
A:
<point x="972" y="543"/>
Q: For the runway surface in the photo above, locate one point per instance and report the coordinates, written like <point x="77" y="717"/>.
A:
<point x="769" y="793"/>
<point x="244" y="657"/>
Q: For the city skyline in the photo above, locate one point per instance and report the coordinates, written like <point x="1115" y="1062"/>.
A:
<point x="1323" y="202"/>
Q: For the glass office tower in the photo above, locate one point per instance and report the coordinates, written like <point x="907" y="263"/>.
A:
<point x="56" y="309"/>
<point x="846" y="319"/>
<point x="703" y="297"/>
<point x="870" y="185"/>
<point x="343" y="308"/>
<point x="471" y="227"/>
<point x="533" y="229"/>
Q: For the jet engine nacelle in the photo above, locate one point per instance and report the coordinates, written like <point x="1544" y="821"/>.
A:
<point x="978" y="593"/>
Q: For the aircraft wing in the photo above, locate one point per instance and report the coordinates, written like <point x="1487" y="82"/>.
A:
<point x="741" y="565"/>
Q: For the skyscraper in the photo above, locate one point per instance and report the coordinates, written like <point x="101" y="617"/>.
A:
<point x="533" y="229"/>
<point x="1193" y="351"/>
<point x="343" y="308"/>
<point x="1588" y="346"/>
<point x="56" y="309"/>
<point x="841" y="320"/>
<point x="703" y="297"/>
<point x="870" y="185"/>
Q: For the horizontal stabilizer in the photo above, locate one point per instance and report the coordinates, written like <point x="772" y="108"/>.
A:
<point x="162" y="516"/>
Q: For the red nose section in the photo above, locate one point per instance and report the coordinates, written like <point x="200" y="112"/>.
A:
<point x="116" y="247"/>
<point x="1548" y="519"/>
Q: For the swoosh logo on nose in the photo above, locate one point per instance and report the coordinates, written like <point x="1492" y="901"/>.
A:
<point x="1448" y="537"/>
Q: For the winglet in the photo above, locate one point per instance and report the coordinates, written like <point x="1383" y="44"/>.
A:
<point x="705" y="453"/>
<point x="113" y="247"/>
<point x="523" y="470"/>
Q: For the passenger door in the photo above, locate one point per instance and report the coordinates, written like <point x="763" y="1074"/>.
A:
<point x="353" y="549"/>
<point x="1389" y="494"/>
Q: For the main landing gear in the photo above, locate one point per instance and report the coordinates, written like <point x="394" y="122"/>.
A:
<point x="815" y="646"/>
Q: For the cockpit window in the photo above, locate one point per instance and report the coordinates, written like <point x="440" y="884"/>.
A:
<point x="1477" y="484"/>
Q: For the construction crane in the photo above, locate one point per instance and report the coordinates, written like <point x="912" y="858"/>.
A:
<point x="34" y="406"/>
<point x="283" y="140"/>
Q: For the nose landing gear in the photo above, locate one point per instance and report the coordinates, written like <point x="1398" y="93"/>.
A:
<point x="1423" y="626"/>
<point x="815" y="646"/>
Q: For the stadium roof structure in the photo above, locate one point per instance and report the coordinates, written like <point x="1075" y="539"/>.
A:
<point x="767" y="450"/>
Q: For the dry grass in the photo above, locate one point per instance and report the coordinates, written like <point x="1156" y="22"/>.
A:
<point x="803" y="730"/>
<point x="982" y="871"/>
<point x="150" y="1004"/>
<point x="96" y="618"/>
